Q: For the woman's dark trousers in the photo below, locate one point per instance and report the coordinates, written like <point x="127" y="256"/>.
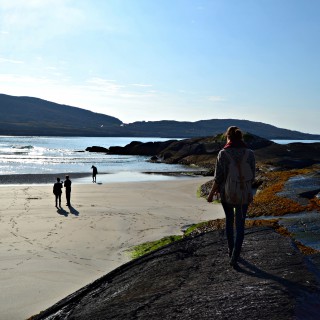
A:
<point x="235" y="215"/>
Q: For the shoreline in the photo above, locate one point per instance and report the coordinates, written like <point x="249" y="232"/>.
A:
<point x="37" y="178"/>
<point x="85" y="177"/>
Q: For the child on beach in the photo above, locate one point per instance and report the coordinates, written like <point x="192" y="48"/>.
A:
<point x="57" y="191"/>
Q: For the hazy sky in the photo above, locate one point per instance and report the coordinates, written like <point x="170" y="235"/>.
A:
<point x="167" y="59"/>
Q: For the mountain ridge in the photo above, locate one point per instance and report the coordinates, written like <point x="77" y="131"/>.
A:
<point x="32" y="116"/>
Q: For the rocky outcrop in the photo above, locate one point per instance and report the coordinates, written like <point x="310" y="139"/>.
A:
<point x="289" y="156"/>
<point x="198" y="151"/>
<point x="140" y="148"/>
<point x="191" y="279"/>
<point x="97" y="149"/>
<point x="202" y="152"/>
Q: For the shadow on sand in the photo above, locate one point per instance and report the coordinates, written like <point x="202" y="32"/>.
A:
<point x="65" y="213"/>
<point x="62" y="212"/>
<point x="72" y="210"/>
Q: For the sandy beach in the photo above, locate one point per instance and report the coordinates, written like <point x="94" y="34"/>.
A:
<point x="48" y="253"/>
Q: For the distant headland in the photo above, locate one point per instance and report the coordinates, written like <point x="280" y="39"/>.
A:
<point x="31" y="116"/>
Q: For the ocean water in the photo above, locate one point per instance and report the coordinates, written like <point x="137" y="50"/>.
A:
<point x="34" y="155"/>
<point x="293" y="141"/>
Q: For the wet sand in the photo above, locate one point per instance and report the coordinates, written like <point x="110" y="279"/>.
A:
<point x="47" y="253"/>
<point x="9" y="179"/>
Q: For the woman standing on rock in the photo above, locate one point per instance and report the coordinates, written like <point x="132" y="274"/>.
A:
<point x="234" y="174"/>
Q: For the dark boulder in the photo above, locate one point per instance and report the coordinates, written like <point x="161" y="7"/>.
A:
<point x="140" y="148"/>
<point x="289" y="156"/>
<point x="154" y="159"/>
<point x="97" y="149"/>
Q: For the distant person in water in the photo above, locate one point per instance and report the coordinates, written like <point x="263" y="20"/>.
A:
<point x="94" y="173"/>
<point x="67" y="185"/>
<point x="57" y="191"/>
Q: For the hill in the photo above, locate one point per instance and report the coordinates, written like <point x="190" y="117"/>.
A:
<point x="202" y="128"/>
<point x="34" y="116"/>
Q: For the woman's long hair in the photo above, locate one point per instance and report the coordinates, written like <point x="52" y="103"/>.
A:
<point x="234" y="134"/>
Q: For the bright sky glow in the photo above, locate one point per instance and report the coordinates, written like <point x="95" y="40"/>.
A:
<point x="184" y="60"/>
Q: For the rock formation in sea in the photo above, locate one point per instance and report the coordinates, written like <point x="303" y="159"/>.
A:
<point x="202" y="152"/>
<point x="97" y="149"/>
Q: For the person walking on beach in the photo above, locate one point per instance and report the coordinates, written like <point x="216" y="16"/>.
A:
<point x="94" y="173"/>
<point x="67" y="185"/>
<point x="234" y="174"/>
<point x="57" y="191"/>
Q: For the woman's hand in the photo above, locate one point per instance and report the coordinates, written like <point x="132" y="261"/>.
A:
<point x="214" y="192"/>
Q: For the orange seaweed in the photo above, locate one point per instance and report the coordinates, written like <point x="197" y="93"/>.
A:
<point x="266" y="202"/>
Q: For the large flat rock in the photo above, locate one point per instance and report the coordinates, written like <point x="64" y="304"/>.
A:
<point x="192" y="279"/>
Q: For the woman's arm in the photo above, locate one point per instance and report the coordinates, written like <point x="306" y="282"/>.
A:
<point x="218" y="177"/>
<point x="214" y="191"/>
